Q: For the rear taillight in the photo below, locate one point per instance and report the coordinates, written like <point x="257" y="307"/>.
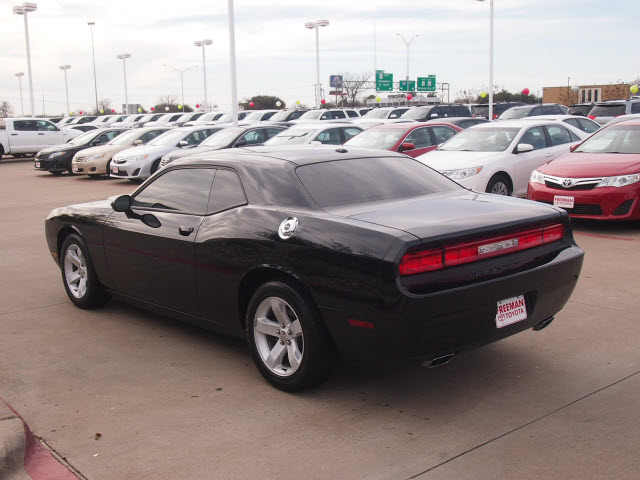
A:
<point x="495" y="115"/>
<point x="592" y="117"/>
<point x="458" y="254"/>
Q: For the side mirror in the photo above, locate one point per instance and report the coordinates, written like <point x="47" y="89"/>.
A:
<point x="137" y="142"/>
<point x="240" y="143"/>
<point x="434" y="115"/>
<point x="122" y="203"/>
<point x="407" y="146"/>
<point x="393" y="115"/>
<point x="524" y="147"/>
<point x="183" y="143"/>
<point x="573" y="147"/>
<point x="96" y="143"/>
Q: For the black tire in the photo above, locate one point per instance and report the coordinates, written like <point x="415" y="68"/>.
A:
<point x="155" y="165"/>
<point x="315" y="364"/>
<point x="70" y="168"/>
<point x="499" y="185"/>
<point x="94" y="294"/>
<point x="56" y="173"/>
<point x="108" y="174"/>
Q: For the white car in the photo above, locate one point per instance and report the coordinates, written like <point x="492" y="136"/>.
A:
<point x="328" y="133"/>
<point x="206" y="118"/>
<point x="165" y="120"/>
<point x="327" y="114"/>
<point x="258" y="116"/>
<point x="581" y="123"/>
<point x="378" y="116"/>
<point x="498" y="157"/>
<point x="141" y="162"/>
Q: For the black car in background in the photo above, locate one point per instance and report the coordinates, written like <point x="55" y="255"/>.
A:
<point x="533" y="110"/>
<point x="498" y="109"/>
<point x="581" y="109"/>
<point x="57" y="159"/>
<point x="287" y="115"/>
<point x="462" y="122"/>
<point x="313" y="252"/>
<point x="429" y="112"/>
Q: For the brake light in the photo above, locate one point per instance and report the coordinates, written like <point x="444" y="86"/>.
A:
<point x="496" y="115"/>
<point x="592" y="117"/>
<point x="458" y="254"/>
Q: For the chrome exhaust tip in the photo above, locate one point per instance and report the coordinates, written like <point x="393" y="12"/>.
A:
<point x="438" y="361"/>
<point x="543" y="324"/>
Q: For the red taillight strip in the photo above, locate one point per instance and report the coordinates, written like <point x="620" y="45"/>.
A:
<point x="452" y="255"/>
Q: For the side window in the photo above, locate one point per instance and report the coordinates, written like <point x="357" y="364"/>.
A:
<point x="352" y="114"/>
<point x="467" y="123"/>
<point x="558" y="134"/>
<point x="442" y="134"/>
<point x="175" y="117"/>
<point x="147" y="137"/>
<point x="106" y="137"/>
<point x="253" y="137"/>
<point x="329" y="137"/>
<point x="420" y="137"/>
<point x="573" y="122"/>
<point x="268" y="115"/>
<point x="186" y="190"/>
<point x="272" y="132"/>
<point x="227" y="192"/>
<point x="193" y="138"/>
<point x="461" y="112"/>
<point x="196" y="116"/>
<point x="296" y="114"/>
<point x="46" y="126"/>
<point x="25" y="125"/>
<point x="435" y="113"/>
<point x="350" y="132"/>
<point x="326" y="116"/>
<point x="397" y="112"/>
<point x="588" y="126"/>
<point x="574" y="137"/>
<point x="536" y="111"/>
<point x="339" y="114"/>
<point x="635" y="107"/>
<point x="535" y="136"/>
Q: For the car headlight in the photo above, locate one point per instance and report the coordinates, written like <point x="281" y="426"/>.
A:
<point x="56" y="154"/>
<point x="462" y="173"/>
<point x="621" y="181"/>
<point x="536" y="177"/>
<point x="94" y="157"/>
<point x="135" y="158"/>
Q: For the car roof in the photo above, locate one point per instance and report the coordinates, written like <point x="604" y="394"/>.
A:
<point x="516" y="123"/>
<point x="319" y="125"/>
<point x="405" y="125"/>
<point x="633" y="122"/>
<point x="554" y="117"/>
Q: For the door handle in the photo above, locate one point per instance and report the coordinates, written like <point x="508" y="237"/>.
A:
<point x="41" y="134"/>
<point x="14" y="134"/>
<point x="185" y="231"/>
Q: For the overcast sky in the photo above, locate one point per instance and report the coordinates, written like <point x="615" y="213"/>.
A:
<point x="537" y="43"/>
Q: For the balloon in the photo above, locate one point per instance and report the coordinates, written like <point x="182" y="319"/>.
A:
<point x="139" y="110"/>
<point x="166" y="109"/>
<point x="378" y="99"/>
<point x="483" y="94"/>
<point x="251" y="104"/>
<point x="409" y="96"/>
<point x="80" y="112"/>
<point x="153" y="109"/>
<point x="525" y="91"/>
<point x="101" y="111"/>
<point x="278" y="103"/>
<point x="297" y="102"/>
<point x="179" y="107"/>
<point x="323" y="101"/>
<point x="113" y="110"/>
<point x="197" y="105"/>
<point x="634" y="89"/>
<point x="575" y="88"/>
<point x="71" y="113"/>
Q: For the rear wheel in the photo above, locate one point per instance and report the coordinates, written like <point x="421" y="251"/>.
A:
<point x="288" y="345"/>
<point x="499" y="185"/>
<point x="78" y="275"/>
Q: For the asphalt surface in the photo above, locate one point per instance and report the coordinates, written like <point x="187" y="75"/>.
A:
<point x="173" y="401"/>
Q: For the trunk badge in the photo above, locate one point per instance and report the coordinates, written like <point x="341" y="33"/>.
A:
<point x="288" y="227"/>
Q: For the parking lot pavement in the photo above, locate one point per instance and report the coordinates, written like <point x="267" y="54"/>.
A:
<point x="172" y="401"/>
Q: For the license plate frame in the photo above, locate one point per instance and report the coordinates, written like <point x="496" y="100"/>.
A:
<point x="115" y="170"/>
<point x="511" y="310"/>
<point x="37" y="164"/>
<point x="564" y="201"/>
<point x="74" y="168"/>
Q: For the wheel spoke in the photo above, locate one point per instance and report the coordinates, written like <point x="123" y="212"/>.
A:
<point x="73" y="278"/>
<point x="280" y="311"/>
<point x="296" y="328"/>
<point x="82" y="287"/>
<point x="73" y="257"/>
<point x="266" y="326"/>
<point x="276" y="355"/>
<point x="294" y="355"/>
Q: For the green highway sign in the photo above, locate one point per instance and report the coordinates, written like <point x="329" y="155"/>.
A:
<point x="403" y="86"/>
<point x="426" y="84"/>
<point x="384" y="81"/>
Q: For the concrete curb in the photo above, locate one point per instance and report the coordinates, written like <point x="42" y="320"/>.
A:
<point x="22" y="455"/>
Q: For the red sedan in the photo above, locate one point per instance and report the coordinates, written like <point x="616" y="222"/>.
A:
<point x="599" y="179"/>
<point x="412" y="139"/>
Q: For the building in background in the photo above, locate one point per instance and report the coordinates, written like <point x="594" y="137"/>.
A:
<point x="585" y="94"/>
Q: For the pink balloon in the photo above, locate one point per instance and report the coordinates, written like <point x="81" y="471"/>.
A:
<point x="409" y="96"/>
<point x="80" y="112"/>
<point x="197" y="105"/>
<point x="251" y="104"/>
<point x="323" y="101"/>
<point x="153" y="108"/>
<point x="525" y="91"/>
<point x="113" y="110"/>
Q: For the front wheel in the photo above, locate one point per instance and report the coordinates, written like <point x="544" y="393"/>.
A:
<point x="78" y="275"/>
<point x="288" y="345"/>
<point x="498" y="185"/>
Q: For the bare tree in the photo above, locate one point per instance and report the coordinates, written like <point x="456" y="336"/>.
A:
<point x="6" y="110"/>
<point x="354" y="85"/>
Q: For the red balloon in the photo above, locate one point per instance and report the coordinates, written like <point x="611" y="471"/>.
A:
<point x="251" y="104"/>
<point x="197" y="105"/>
<point x="409" y="96"/>
<point x="525" y="91"/>
<point x="80" y="112"/>
<point x="323" y="101"/>
<point x="113" y="110"/>
<point x="153" y="108"/>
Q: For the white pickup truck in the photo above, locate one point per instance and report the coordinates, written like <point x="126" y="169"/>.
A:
<point x="23" y="136"/>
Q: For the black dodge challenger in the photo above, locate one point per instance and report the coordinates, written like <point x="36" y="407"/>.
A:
<point x="306" y="250"/>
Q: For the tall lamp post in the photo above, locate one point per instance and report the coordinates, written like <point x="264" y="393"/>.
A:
<point x="490" y="58"/>
<point x="204" y="43"/>
<point x="181" y="72"/>
<point x="232" y="55"/>
<point x="93" y="55"/>
<point x="20" y="75"/>
<point x="316" y="25"/>
<point x="123" y="57"/>
<point x="66" y="85"/>
<point x="24" y="9"/>
<point x="408" y="44"/>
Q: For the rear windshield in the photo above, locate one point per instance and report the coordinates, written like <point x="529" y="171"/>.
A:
<point x="579" y="110"/>
<point x="360" y="180"/>
<point x="515" y="112"/>
<point x="612" y="110"/>
<point x="419" y="112"/>
<point x="614" y="139"/>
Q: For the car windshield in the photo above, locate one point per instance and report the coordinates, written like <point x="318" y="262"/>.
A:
<point x="476" y="139"/>
<point x="616" y="139"/>
<point x="281" y="116"/>
<point x="377" y="113"/>
<point x="209" y="116"/>
<point x="312" y="115"/>
<point x="419" y="112"/>
<point x="171" y="138"/>
<point x="84" y="138"/>
<point x="515" y="112"/>
<point x="380" y="138"/>
<point x="126" y="138"/>
<point x="166" y="117"/>
<point x="145" y="118"/>
<point x="293" y="136"/>
<point x="359" y="180"/>
<point x="254" y="116"/>
<point x="222" y="138"/>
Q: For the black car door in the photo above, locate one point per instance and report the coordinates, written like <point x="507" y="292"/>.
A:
<point x="150" y="249"/>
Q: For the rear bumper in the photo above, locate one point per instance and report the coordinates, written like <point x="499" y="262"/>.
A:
<point x="426" y="326"/>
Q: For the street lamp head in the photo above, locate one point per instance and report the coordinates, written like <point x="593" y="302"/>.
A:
<point x="18" y="10"/>
<point x="208" y="42"/>
<point x="198" y="43"/>
<point x="122" y="56"/>
<point x="91" y="24"/>
<point x="310" y="25"/>
<point x="323" y="23"/>
<point x="29" y="7"/>
<point x="64" y="67"/>
<point x="19" y="74"/>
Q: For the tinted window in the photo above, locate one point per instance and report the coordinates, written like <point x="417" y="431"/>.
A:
<point x="350" y="132"/>
<point x="351" y="113"/>
<point x="635" y="107"/>
<point x="573" y="122"/>
<point x="398" y="111"/>
<point x="86" y="120"/>
<point x="271" y="132"/>
<point x="468" y="123"/>
<point x="443" y="134"/>
<point x="461" y="112"/>
<point x="609" y="110"/>
<point x="339" y="114"/>
<point x="420" y="137"/>
<point x="252" y="137"/>
<point x="185" y="190"/>
<point x="329" y="137"/>
<point x="436" y="113"/>
<point x="268" y="115"/>
<point x="147" y="137"/>
<point x="107" y="136"/>
<point x="345" y="182"/>
<point x="196" y="116"/>
<point x="46" y="126"/>
<point x="588" y="126"/>
<point x="227" y="192"/>
<point x="25" y="125"/>
<point x="558" y="134"/>
<point x="536" y="111"/>
<point x="535" y="136"/>
<point x="194" y="138"/>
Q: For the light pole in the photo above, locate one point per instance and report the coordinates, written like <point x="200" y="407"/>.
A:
<point x="181" y="78"/>
<point x="93" y="54"/>
<point x="490" y="58"/>
<point x="123" y="57"/>
<point x="204" y="43"/>
<point x="408" y="44"/>
<point x="232" y="55"/>
<point x="316" y="25"/>
<point x="24" y="9"/>
<point x="66" y="85"/>
<point x="20" y="75"/>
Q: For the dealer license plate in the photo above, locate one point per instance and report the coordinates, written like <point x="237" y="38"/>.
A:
<point x="563" y="202"/>
<point x="511" y="310"/>
<point x="37" y="164"/>
<point x="115" y="169"/>
<point x="74" y="168"/>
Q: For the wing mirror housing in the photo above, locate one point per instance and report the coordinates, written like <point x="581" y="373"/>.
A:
<point x="183" y="143"/>
<point x="122" y="203"/>
<point x="240" y="143"/>
<point x="137" y="142"/>
<point x="407" y="146"/>
<point x="524" y="147"/>
<point x="393" y="115"/>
